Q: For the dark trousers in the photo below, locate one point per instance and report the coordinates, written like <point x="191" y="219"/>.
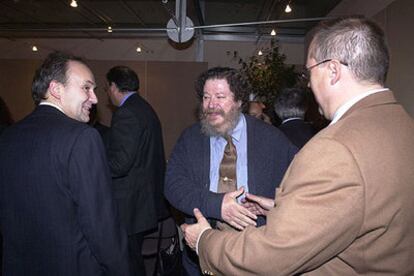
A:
<point x="135" y="242"/>
<point x="190" y="262"/>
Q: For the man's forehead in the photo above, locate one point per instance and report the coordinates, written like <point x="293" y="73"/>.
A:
<point x="81" y="72"/>
<point x="217" y="85"/>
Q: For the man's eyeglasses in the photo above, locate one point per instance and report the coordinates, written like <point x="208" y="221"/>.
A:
<point x="306" y="71"/>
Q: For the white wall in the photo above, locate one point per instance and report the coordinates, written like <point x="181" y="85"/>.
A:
<point x="398" y="22"/>
<point x="158" y="49"/>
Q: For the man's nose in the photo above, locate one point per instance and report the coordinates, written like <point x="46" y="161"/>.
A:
<point x="212" y="102"/>
<point x="93" y="98"/>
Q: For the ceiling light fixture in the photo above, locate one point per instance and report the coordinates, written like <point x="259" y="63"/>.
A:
<point x="74" y="4"/>
<point x="34" y="48"/>
<point x="109" y="29"/>
<point x="139" y="50"/>
<point x="273" y="32"/>
<point x="260" y="53"/>
<point x="288" y="8"/>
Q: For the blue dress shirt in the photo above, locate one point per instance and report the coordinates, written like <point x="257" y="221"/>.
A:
<point x="217" y="145"/>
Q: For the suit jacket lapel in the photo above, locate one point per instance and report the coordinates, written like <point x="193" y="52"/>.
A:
<point x="205" y="160"/>
<point x="252" y="157"/>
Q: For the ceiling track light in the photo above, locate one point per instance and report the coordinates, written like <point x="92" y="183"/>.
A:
<point x="74" y="4"/>
<point x="260" y="53"/>
<point x="139" y="49"/>
<point x="273" y="32"/>
<point x="288" y="9"/>
<point x="34" y="48"/>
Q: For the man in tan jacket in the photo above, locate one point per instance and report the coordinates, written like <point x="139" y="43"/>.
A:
<point x="345" y="206"/>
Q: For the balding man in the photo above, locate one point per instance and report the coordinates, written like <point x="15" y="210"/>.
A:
<point x="345" y="204"/>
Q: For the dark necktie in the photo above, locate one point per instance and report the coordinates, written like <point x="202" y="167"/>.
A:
<point x="227" y="175"/>
<point x="227" y="170"/>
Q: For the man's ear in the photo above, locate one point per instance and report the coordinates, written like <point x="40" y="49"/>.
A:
<point x="55" y="89"/>
<point x="334" y="71"/>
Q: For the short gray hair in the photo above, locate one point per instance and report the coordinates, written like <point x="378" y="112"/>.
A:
<point x="354" y="41"/>
<point x="290" y="103"/>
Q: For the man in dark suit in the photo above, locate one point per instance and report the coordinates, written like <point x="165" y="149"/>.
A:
<point x="58" y="216"/>
<point x="263" y="155"/>
<point x="136" y="158"/>
<point x="290" y="106"/>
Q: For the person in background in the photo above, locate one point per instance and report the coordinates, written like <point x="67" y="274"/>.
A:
<point x="345" y="204"/>
<point x="5" y="116"/>
<point x="57" y="213"/>
<point x="256" y="110"/>
<point x="95" y="122"/>
<point x="219" y="161"/>
<point x="136" y="158"/>
<point x="290" y="106"/>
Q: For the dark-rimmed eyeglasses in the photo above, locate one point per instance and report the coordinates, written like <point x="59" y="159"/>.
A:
<point x="306" y="70"/>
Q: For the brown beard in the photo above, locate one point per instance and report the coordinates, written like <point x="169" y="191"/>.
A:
<point x="230" y="121"/>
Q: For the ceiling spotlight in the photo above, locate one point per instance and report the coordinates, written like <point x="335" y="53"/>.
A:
<point x="288" y="9"/>
<point x="74" y="4"/>
<point x="260" y="53"/>
<point x="164" y="1"/>
<point x="109" y="29"/>
<point x="34" y="48"/>
<point x="139" y="50"/>
<point x="273" y="32"/>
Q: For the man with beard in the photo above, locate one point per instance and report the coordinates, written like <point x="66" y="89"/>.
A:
<point x="345" y="206"/>
<point x="193" y="176"/>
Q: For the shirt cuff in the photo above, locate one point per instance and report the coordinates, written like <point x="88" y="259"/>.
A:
<point x="199" y="237"/>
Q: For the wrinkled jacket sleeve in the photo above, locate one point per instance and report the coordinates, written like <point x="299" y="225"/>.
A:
<point x="185" y="188"/>
<point x="319" y="211"/>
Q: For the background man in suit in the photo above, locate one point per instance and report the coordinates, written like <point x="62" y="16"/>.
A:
<point x="193" y="172"/>
<point x="345" y="204"/>
<point x="136" y="159"/>
<point x="290" y="106"/>
<point x="58" y="216"/>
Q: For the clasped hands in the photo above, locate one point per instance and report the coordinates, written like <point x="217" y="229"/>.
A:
<point x="237" y="215"/>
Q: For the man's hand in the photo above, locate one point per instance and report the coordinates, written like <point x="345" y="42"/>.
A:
<point x="258" y="205"/>
<point x="193" y="231"/>
<point x="235" y="214"/>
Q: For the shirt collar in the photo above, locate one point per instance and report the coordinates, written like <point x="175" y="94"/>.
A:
<point x="347" y="105"/>
<point x="291" y="119"/>
<point x="53" y="105"/>
<point x="126" y="96"/>
<point x="237" y="131"/>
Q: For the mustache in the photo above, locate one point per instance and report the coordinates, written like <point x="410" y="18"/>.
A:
<point x="213" y="110"/>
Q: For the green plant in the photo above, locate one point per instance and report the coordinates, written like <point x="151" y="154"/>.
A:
<point x="268" y="74"/>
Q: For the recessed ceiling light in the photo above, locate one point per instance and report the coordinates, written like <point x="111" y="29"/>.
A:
<point x="74" y="4"/>
<point x="260" y="53"/>
<point x="139" y="50"/>
<point x="34" y="48"/>
<point x="273" y="32"/>
<point x="288" y="9"/>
